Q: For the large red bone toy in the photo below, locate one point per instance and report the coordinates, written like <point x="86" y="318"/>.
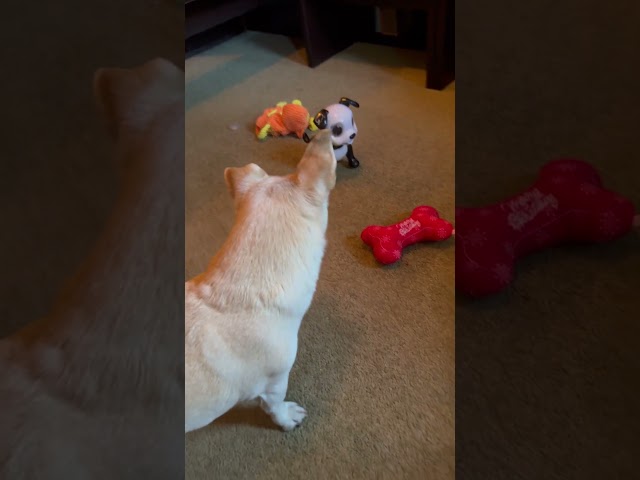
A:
<point x="424" y="224"/>
<point x="566" y="204"/>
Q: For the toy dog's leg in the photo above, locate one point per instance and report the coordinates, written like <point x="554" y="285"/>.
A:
<point x="353" y="162"/>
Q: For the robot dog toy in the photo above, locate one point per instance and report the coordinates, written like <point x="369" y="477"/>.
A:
<point x="339" y="118"/>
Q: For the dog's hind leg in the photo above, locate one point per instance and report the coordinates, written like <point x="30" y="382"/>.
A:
<point x="287" y="415"/>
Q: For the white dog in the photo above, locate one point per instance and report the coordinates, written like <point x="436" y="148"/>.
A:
<point x="243" y="313"/>
<point x="93" y="390"/>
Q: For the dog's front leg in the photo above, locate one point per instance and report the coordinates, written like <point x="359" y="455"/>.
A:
<point x="288" y="415"/>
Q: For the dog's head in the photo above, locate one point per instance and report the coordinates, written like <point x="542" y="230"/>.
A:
<point x="316" y="172"/>
<point x="240" y="180"/>
<point x="130" y="98"/>
<point x="314" y="178"/>
<point x="143" y="108"/>
<point x="338" y="119"/>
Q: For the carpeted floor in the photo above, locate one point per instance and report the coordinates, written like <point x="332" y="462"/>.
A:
<point x="375" y="367"/>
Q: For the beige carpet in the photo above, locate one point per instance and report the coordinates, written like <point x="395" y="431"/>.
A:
<point x="375" y="367"/>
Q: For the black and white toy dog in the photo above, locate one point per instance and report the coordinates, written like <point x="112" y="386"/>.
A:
<point x="339" y="119"/>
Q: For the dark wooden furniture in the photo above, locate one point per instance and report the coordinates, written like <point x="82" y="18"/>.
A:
<point x="327" y="27"/>
<point x="203" y="15"/>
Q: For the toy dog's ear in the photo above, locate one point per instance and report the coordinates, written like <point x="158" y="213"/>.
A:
<point x="321" y="119"/>
<point x="348" y="102"/>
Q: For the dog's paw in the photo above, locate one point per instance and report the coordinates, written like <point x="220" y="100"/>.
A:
<point x="292" y="416"/>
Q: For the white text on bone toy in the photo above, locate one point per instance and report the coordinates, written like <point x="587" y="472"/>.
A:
<point x="528" y="206"/>
<point x="407" y="226"/>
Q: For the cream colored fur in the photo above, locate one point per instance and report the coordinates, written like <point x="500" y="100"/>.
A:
<point x="93" y="390"/>
<point x="243" y="313"/>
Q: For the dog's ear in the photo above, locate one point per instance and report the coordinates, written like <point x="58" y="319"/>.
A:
<point x="348" y="102"/>
<point x="130" y="98"/>
<point x="321" y="120"/>
<point x="316" y="171"/>
<point x="240" y="179"/>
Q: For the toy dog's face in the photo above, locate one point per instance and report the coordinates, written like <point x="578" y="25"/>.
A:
<point x="339" y="119"/>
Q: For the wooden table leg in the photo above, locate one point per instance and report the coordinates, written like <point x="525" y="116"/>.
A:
<point x="327" y="29"/>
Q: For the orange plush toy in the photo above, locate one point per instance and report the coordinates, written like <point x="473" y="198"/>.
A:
<point x="284" y="119"/>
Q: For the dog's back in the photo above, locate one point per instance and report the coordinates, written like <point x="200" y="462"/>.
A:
<point x="243" y="313"/>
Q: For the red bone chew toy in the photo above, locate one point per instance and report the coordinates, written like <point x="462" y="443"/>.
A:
<point x="566" y="204"/>
<point x="424" y="224"/>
